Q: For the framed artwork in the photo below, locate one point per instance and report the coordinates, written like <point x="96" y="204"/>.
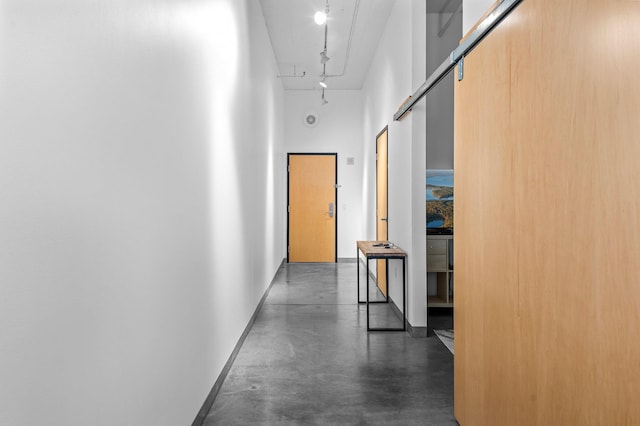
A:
<point x="439" y="201"/>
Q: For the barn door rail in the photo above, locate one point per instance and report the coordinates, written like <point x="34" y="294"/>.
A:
<point x="484" y="27"/>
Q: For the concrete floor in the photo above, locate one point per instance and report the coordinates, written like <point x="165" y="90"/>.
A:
<point x="308" y="360"/>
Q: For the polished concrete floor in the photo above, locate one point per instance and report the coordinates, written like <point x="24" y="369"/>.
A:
<point x="309" y="360"/>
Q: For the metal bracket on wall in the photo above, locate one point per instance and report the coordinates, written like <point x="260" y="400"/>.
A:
<point x="461" y="68"/>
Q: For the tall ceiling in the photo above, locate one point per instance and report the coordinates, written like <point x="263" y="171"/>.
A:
<point x="354" y="28"/>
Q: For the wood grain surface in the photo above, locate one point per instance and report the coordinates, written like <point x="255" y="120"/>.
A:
<point x="547" y="213"/>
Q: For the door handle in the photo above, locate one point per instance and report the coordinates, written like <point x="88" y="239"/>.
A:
<point x="330" y="212"/>
<point x="384" y="219"/>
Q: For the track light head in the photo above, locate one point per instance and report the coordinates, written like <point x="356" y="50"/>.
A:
<point x="323" y="100"/>
<point x="320" y="18"/>
<point x="323" y="57"/>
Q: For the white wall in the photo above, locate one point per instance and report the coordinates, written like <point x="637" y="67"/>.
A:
<point x="419" y="145"/>
<point x="339" y="129"/>
<point x="397" y="70"/>
<point x="141" y="170"/>
<point x="473" y="11"/>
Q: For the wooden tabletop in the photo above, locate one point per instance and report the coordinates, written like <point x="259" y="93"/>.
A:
<point x="379" y="249"/>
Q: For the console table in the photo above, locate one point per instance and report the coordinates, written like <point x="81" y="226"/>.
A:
<point x="382" y="250"/>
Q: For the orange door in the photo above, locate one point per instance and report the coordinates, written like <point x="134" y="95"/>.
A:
<point x="312" y="207"/>
<point x="381" y="204"/>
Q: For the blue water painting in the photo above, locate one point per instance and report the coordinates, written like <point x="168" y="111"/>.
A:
<point x="439" y="199"/>
<point x="438" y="178"/>
<point x="435" y="223"/>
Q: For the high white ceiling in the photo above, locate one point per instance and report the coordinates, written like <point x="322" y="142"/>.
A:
<point x="354" y="29"/>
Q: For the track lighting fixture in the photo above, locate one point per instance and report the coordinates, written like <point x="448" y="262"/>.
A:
<point x="323" y="80"/>
<point x="323" y="57"/>
<point x="320" y="18"/>
<point x="323" y="101"/>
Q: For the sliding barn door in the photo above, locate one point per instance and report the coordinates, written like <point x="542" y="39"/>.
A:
<point x="547" y="213"/>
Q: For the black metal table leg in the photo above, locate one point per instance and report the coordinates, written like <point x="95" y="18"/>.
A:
<point x="358" y="268"/>
<point x="367" y="291"/>
<point x="404" y="293"/>
<point x="386" y="271"/>
<point x="386" y="256"/>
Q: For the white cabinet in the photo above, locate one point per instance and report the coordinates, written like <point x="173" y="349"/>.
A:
<point x="440" y="262"/>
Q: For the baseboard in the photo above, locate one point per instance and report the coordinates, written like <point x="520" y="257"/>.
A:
<point x="395" y="309"/>
<point x="347" y="259"/>
<point x="416" y="331"/>
<point x="208" y="403"/>
<point x="413" y="331"/>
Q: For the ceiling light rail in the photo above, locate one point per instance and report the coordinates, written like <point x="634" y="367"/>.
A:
<point x="354" y="19"/>
<point x="324" y="58"/>
<point x="303" y="75"/>
<point x="294" y="75"/>
<point x="499" y="12"/>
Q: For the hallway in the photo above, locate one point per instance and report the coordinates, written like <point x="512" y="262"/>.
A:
<point x="308" y="360"/>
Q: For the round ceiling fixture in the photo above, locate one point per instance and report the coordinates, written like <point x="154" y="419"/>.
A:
<point x="311" y="119"/>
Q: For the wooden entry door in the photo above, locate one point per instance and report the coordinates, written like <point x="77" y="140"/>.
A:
<point x="381" y="204"/>
<point x="312" y="209"/>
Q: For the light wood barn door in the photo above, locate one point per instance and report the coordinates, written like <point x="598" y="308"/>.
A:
<point x="547" y="214"/>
